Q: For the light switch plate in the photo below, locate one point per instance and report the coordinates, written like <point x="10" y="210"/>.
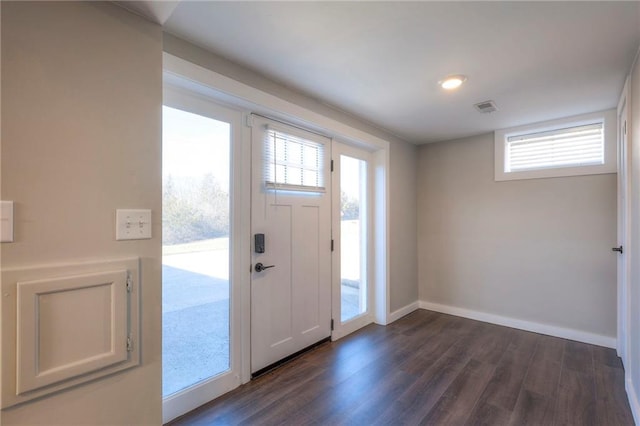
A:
<point x="6" y="221"/>
<point x="133" y="224"/>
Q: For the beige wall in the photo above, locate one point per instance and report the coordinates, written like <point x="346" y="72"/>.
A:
<point x="403" y="235"/>
<point x="402" y="241"/>
<point x="536" y="250"/>
<point x="81" y="123"/>
<point x="633" y="363"/>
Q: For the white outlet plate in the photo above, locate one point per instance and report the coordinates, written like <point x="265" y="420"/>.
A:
<point x="6" y="221"/>
<point x="133" y="224"/>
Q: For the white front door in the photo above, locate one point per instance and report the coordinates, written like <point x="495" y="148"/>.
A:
<point x="623" y="246"/>
<point x="291" y="228"/>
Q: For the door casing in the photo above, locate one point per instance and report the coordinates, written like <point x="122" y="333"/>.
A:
<point x="227" y="91"/>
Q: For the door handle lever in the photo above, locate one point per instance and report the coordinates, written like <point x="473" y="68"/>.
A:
<point x="260" y="267"/>
<point x="618" y="249"/>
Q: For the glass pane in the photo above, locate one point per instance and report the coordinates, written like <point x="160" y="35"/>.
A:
<point x="294" y="176"/>
<point x="353" y="259"/>
<point x="293" y="162"/>
<point x="311" y="157"/>
<point x="195" y="249"/>
<point x="310" y="178"/>
<point x="574" y="146"/>
<point x="280" y="150"/>
<point x="294" y="152"/>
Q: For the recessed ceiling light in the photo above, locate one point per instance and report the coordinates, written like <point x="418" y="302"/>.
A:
<point x="452" y="81"/>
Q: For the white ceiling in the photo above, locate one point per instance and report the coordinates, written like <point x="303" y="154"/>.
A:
<point x="381" y="61"/>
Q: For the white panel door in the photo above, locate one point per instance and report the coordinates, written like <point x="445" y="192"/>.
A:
<point x="291" y="207"/>
<point x="623" y="246"/>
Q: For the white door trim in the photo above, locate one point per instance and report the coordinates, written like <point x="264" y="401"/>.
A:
<point x="223" y="89"/>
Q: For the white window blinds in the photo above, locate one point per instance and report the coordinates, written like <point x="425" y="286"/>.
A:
<point x="568" y="147"/>
<point x="293" y="163"/>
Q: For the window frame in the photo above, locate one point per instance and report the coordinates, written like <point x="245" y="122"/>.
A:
<point x="608" y="119"/>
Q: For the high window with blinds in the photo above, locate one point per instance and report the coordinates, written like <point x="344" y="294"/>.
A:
<point x="568" y="147"/>
<point x="573" y="146"/>
<point x="293" y="163"/>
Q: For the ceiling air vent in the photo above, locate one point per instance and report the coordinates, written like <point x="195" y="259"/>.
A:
<point x="486" y="106"/>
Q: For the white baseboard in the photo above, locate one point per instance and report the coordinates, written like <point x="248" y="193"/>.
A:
<point x="550" y="330"/>
<point x="405" y="310"/>
<point x="632" y="396"/>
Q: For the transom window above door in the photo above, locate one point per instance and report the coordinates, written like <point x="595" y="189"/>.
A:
<point x="293" y="163"/>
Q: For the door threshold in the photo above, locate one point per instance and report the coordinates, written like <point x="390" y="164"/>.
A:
<point x="286" y="359"/>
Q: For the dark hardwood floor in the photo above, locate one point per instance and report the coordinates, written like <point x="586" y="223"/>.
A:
<point x="434" y="369"/>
